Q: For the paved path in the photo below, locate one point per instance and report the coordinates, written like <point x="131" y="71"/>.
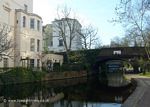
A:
<point x="141" y="96"/>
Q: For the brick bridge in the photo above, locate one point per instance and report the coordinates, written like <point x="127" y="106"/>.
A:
<point x="122" y="52"/>
<point x="119" y="53"/>
<point x="96" y="56"/>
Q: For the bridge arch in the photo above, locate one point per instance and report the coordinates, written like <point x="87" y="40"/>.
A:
<point x="100" y="61"/>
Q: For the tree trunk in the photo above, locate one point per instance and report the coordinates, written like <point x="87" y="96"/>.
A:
<point x="67" y="57"/>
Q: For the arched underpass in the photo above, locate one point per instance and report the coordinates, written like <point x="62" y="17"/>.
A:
<point x="130" y="59"/>
<point x="109" y="70"/>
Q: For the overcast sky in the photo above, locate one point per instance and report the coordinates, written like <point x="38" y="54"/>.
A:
<point x="94" y="12"/>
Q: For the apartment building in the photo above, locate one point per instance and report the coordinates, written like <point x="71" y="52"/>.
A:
<point x="63" y="26"/>
<point x="26" y="33"/>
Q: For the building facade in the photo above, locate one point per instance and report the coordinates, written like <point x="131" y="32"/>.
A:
<point x="69" y="29"/>
<point x="26" y="33"/>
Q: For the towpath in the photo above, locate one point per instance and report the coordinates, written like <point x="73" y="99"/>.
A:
<point x="141" y="96"/>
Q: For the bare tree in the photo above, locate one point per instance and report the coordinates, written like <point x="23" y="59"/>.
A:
<point x="98" y="44"/>
<point x="6" y="43"/>
<point x="88" y="36"/>
<point x="133" y="14"/>
<point x="67" y="28"/>
<point x="127" y="41"/>
<point x="133" y="39"/>
<point x="47" y="37"/>
<point x="115" y="42"/>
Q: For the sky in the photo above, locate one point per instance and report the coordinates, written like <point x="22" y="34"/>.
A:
<point x="97" y="13"/>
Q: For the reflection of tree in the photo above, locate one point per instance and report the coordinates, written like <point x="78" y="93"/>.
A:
<point x="69" y="103"/>
<point x="18" y="91"/>
<point x="6" y="104"/>
<point x="62" y="103"/>
<point x="102" y="77"/>
<point x="86" y="105"/>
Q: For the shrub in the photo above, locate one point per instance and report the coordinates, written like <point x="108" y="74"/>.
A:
<point x="72" y="67"/>
<point x="21" y="75"/>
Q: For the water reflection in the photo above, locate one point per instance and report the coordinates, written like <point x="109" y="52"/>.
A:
<point x="111" y="73"/>
<point x="102" y="105"/>
<point x="64" y="93"/>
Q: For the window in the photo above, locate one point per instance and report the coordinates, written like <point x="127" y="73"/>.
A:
<point x="38" y="25"/>
<point x="25" y="7"/>
<point x="32" y="44"/>
<point x="32" y="23"/>
<point x="60" y="42"/>
<point x="31" y="63"/>
<point x="24" y="21"/>
<point x="38" y="63"/>
<point x="5" y="62"/>
<point x="38" y="45"/>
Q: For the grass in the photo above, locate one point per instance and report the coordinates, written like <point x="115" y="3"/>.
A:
<point x="147" y="74"/>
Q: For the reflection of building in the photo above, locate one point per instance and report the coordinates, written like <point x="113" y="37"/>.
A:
<point x="49" y="102"/>
<point x="27" y="32"/>
<point x="54" y="38"/>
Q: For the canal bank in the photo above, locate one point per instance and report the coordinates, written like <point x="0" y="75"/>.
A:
<point x="140" y="97"/>
<point x="21" y="76"/>
<point x="64" y="75"/>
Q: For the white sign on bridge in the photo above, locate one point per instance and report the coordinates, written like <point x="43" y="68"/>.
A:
<point x="117" y="52"/>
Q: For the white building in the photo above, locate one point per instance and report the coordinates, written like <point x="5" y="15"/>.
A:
<point x="26" y="33"/>
<point x="57" y="44"/>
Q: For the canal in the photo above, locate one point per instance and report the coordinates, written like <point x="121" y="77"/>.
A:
<point x="79" y="92"/>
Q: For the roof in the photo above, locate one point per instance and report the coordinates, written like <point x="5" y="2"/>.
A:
<point x="30" y="14"/>
<point x="63" y="19"/>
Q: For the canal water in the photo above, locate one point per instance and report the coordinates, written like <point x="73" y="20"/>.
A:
<point x="79" y="92"/>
